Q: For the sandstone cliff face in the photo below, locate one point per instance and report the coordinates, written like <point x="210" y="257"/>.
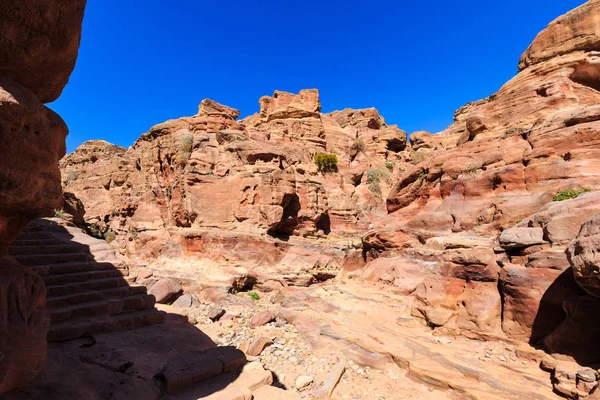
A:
<point x="496" y="170"/>
<point x="247" y="181"/>
<point x="38" y="48"/>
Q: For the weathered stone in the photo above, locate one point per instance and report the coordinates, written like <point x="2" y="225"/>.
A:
<point x="165" y="290"/>
<point x="215" y="313"/>
<point x="584" y="256"/>
<point x="262" y="318"/>
<point x="39" y="42"/>
<point x="521" y="237"/>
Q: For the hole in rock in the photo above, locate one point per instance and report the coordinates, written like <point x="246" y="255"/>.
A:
<point x="588" y="75"/>
<point x="542" y="92"/>
<point x="289" y="220"/>
<point x="323" y="223"/>
<point x="395" y="145"/>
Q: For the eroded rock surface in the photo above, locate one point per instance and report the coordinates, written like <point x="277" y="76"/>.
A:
<point x="39" y="40"/>
<point x="243" y="191"/>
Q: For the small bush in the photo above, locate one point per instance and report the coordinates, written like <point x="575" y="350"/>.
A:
<point x="134" y="234"/>
<point x="187" y="144"/>
<point x="71" y="176"/>
<point x="389" y="165"/>
<point x="109" y="236"/>
<point x="473" y="166"/>
<point x="253" y="295"/>
<point x="569" y="194"/>
<point x="59" y="214"/>
<point x="418" y="156"/>
<point x="326" y="162"/>
<point x="374" y="178"/>
<point x="360" y="142"/>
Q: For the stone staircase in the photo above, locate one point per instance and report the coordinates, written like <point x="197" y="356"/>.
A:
<point x="89" y="289"/>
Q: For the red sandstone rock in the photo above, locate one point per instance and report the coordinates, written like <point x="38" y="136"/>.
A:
<point x="164" y="290"/>
<point x="262" y="318"/>
<point x="258" y="345"/>
<point x="39" y="42"/>
<point x="584" y="257"/>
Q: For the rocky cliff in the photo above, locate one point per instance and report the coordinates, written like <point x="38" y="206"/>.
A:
<point x="481" y="225"/>
<point x="471" y="224"/>
<point x="39" y="40"/>
<point x="242" y="191"/>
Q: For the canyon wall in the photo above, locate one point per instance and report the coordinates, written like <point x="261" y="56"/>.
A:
<point x="473" y="223"/>
<point x="39" y="41"/>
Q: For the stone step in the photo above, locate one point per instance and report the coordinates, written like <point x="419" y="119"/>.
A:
<point x="73" y="329"/>
<point x="91" y="285"/>
<point x="103" y="307"/>
<point x="58" y="279"/>
<point x="72" y="267"/>
<point x="63" y="248"/>
<point x="36" y="242"/>
<point x="46" y="259"/>
<point x="94" y="295"/>
<point x="34" y="235"/>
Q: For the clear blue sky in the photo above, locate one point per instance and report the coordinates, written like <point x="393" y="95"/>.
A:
<point x="142" y="62"/>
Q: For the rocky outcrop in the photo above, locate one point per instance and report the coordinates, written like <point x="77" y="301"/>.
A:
<point x="252" y="182"/>
<point x="39" y="42"/>
<point x="494" y="200"/>
<point x="584" y="256"/>
<point x="38" y="48"/>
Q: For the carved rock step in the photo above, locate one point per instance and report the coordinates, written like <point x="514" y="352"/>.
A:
<point x="30" y="235"/>
<point x="110" y="307"/>
<point x="79" y="287"/>
<point x="95" y="295"/>
<point x="36" y="242"/>
<point x="73" y="329"/>
<point x="45" y="259"/>
<point x="45" y="249"/>
<point x="78" y="266"/>
<point x="61" y="279"/>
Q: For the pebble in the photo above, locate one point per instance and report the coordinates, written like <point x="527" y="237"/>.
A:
<point x="303" y="381"/>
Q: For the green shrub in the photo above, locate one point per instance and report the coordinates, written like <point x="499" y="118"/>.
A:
<point x="326" y="162"/>
<point x="109" y="236"/>
<point x="569" y="194"/>
<point x="389" y="165"/>
<point x="360" y="142"/>
<point x="253" y="295"/>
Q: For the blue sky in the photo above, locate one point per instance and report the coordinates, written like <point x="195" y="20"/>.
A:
<point x="142" y="62"/>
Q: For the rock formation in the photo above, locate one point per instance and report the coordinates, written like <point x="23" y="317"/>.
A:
<point x="196" y="183"/>
<point x="489" y="228"/>
<point x="39" y="40"/>
<point x="483" y="221"/>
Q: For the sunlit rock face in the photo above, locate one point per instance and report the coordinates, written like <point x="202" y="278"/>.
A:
<point x="213" y="186"/>
<point x="499" y="166"/>
<point x="39" y="40"/>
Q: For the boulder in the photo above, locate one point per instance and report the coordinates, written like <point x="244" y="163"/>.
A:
<point x="521" y="237"/>
<point x="584" y="256"/>
<point x="165" y="290"/>
<point x="208" y="108"/>
<point x="39" y="43"/>
<point x="262" y="318"/>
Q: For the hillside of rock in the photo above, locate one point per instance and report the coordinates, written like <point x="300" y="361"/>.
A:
<point x="482" y="223"/>
<point x="213" y="186"/>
